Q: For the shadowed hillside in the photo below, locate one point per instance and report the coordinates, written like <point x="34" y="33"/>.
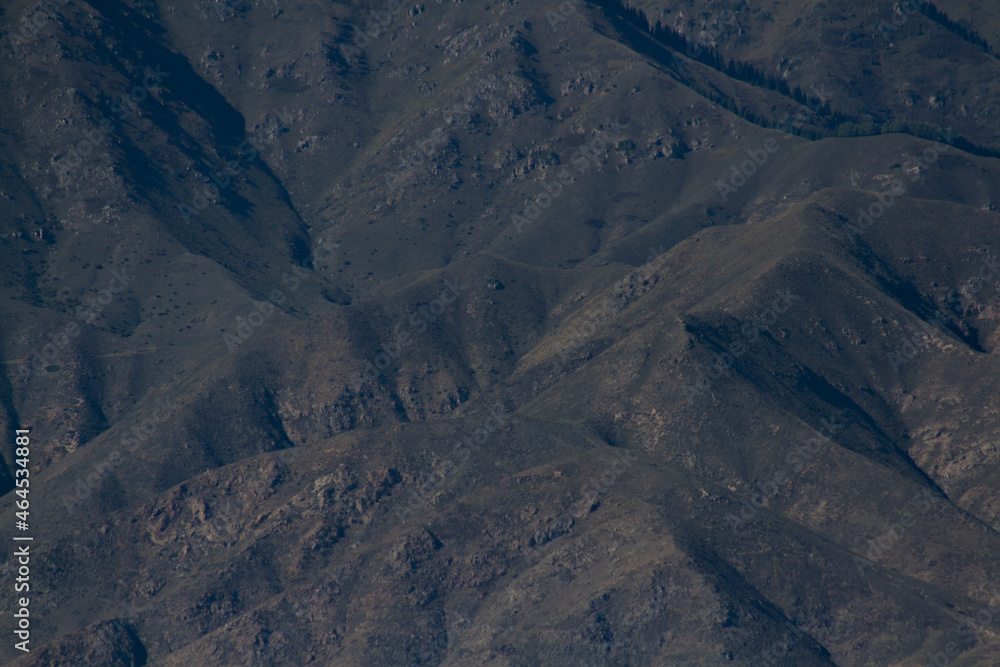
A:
<point x="461" y="333"/>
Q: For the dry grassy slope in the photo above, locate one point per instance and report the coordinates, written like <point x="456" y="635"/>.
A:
<point x="536" y="96"/>
<point x="117" y="213"/>
<point x="901" y="285"/>
<point x="692" y="469"/>
<point x="223" y="546"/>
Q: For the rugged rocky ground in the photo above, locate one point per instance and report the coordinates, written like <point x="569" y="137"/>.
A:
<point x="503" y="333"/>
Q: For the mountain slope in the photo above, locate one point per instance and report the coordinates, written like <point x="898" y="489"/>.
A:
<point x="476" y="333"/>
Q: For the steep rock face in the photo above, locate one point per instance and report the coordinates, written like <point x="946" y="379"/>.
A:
<point x="507" y="333"/>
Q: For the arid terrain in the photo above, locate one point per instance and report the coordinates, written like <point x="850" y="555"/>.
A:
<point x="497" y="332"/>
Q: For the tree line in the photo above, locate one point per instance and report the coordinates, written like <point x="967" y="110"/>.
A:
<point x="830" y="123"/>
